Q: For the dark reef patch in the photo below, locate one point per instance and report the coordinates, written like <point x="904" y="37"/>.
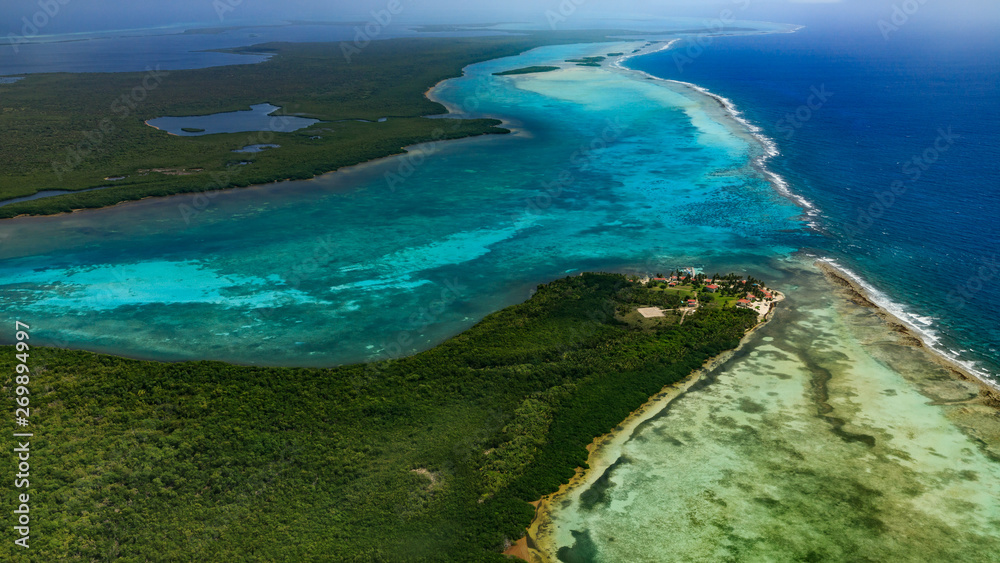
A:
<point x="583" y="549"/>
<point x="598" y="493"/>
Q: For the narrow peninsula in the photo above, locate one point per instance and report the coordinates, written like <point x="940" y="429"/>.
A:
<point x="526" y="70"/>
<point x="431" y="457"/>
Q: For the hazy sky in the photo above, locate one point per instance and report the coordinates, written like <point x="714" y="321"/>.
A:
<point x="89" y="15"/>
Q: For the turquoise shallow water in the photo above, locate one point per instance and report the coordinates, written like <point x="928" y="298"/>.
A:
<point x="605" y="172"/>
<point x="808" y="445"/>
<point x="929" y="247"/>
<point x="824" y="439"/>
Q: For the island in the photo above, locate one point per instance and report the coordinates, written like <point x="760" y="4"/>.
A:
<point x="587" y="61"/>
<point x="192" y="130"/>
<point x="526" y="70"/>
<point x="434" y="456"/>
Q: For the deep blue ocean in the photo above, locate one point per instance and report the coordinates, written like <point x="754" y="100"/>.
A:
<point x="850" y="112"/>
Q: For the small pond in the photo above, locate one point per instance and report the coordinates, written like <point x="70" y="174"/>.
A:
<point x="257" y="148"/>
<point x="258" y="118"/>
<point x="47" y="193"/>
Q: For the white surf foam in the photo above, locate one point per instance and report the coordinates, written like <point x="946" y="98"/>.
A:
<point x="770" y="148"/>
<point x="920" y="325"/>
<point x="621" y="60"/>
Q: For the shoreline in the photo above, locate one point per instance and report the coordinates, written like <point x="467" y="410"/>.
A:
<point x="974" y="414"/>
<point x="451" y="112"/>
<point x="963" y="370"/>
<point x="768" y="145"/>
<point x="454" y="112"/>
<point x="863" y="297"/>
<point x="506" y="127"/>
<point x="526" y="548"/>
<point x="404" y="151"/>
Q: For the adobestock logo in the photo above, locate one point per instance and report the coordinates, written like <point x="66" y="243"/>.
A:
<point x="223" y="7"/>
<point x="563" y="11"/>
<point x="364" y="36"/>
<point x="913" y="169"/>
<point x="696" y="45"/>
<point x="901" y="14"/>
<point x="988" y="271"/>
<point x="794" y="121"/>
<point x="33" y="25"/>
<point x="121" y="107"/>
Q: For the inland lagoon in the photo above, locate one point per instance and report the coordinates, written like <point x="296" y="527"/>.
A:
<point x="44" y="194"/>
<point x="259" y="118"/>
<point x="258" y="148"/>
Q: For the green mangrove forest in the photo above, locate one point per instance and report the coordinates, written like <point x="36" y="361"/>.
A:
<point x="433" y="457"/>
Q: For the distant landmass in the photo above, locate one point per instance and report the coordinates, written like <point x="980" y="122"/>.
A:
<point x="526" y="70"/>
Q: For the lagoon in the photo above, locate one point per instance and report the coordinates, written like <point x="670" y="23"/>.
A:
<point x="258" y="148"/>
<point x="49" y="193"/>
<point x="258" y="118"/>
<point x="349" y="267"/>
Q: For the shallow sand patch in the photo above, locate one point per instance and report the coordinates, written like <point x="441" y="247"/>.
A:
<point x="815" y="442"/>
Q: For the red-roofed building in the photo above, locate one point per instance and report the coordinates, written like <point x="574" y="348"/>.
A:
<point x="745" y="303"/>
<point x="712" y="288"/>
<point x="692" y="303"/>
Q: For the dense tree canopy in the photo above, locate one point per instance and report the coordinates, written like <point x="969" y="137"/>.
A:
<point x="428" y="458"/>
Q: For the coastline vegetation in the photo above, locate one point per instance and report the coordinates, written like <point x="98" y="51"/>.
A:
<point x="70" y="131"/>
<point x="526" y="70"/>
<point x="587" y="61"/>
<point x="428" y="458"/>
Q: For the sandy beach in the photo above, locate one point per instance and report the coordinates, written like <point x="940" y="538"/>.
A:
<point x="598" y="462"/>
